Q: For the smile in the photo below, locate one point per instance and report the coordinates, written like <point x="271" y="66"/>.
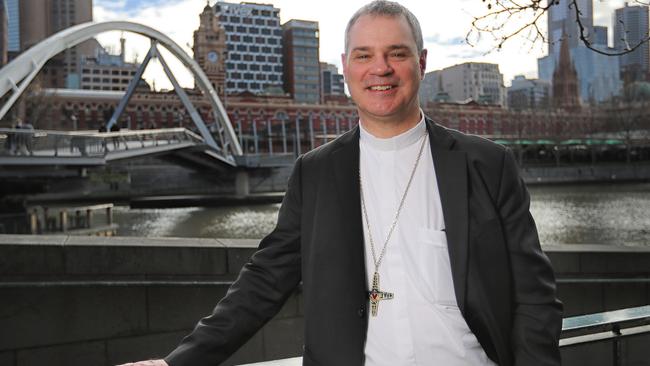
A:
<point x="381" y="87"/>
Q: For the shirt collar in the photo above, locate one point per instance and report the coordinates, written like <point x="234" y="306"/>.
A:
<point x="398" y="142"/>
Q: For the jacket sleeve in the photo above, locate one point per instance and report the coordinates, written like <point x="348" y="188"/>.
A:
<point x="262" y="287"/>
<point x="537" y="318"/>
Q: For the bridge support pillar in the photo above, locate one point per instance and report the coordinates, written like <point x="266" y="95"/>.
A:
<point x="242" y="185"/>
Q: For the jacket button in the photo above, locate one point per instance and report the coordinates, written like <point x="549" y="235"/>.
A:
<point x="361" y="312"/>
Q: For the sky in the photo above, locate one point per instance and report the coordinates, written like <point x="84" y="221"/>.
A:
<point x="444" y="26"/>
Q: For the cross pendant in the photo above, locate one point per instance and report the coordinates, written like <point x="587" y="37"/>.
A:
<point x="375" y="295"/>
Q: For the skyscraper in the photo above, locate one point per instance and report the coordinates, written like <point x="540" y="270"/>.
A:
<point x="4" y="36"/>
<point x="631" y="27"/>
<point x="39" y="19"/>
<point x="597" y="74"/>
<point x="13" y="27"/>
<point x="562" y="20"/>
<point x="301" y="61"/>
<point x="254" y="44"/>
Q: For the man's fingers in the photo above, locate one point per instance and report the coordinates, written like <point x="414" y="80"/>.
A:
<point x="146" y="363"/>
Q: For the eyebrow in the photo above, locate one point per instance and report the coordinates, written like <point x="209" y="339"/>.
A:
<point x="400" y="46"/>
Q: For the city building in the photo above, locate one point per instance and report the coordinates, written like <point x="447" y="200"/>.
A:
<point x="105" y="71"/>
<point x="254" y="47"/>
<point x="301" y="60"/>
<point x="600" y="35"/>
<point x="479" y="81"/>
<point x="631" y="28"/>
<point x="13" y="28"/>
<point x="332" y="83"/>
<point x="562" y="23"/>
<point x="429" y="87"/>
<point x="598" y="74"/>
<point x="529" y="93"/>
<point x="210" y="49"/>
<point x="39" y="19"/>
<point x="4" y="35"/>
<point x="566" y="93"/>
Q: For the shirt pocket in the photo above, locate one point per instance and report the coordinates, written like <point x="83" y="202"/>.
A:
<point x="435" y="267"/>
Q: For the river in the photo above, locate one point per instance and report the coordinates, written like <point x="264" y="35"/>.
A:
<point x="565" y="214"/>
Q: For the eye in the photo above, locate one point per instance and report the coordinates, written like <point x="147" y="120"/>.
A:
<point x="398" y="54"/>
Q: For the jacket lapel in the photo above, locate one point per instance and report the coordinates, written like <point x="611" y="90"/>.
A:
<point x="451" y="174"/>
<point x="346" y="170"/>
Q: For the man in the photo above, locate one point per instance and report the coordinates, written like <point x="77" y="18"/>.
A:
<point x="413" y="242"/>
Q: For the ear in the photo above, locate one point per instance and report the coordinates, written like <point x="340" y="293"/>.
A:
<point x="423" y="63"/>
<point x="344" y="63"/>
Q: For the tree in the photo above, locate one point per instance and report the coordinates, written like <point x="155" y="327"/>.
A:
<point x="509" y="19"/>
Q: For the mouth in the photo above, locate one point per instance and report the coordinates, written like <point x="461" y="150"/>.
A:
<point x="380" y="87"/>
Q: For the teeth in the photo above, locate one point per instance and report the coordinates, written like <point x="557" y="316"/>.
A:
<point x="381" y="88"/>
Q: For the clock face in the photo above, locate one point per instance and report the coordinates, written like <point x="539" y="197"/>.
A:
<point x="213" y="56"/>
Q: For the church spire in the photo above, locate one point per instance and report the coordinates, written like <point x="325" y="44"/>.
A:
<point x="566" y="93"/>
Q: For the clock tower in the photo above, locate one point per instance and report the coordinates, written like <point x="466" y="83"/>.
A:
<point x="210" y="49"/>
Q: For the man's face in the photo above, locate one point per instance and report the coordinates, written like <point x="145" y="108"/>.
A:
<point x="383" y="69"/>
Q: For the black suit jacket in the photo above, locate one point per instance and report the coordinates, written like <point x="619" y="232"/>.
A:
<point x="504" y="284"/>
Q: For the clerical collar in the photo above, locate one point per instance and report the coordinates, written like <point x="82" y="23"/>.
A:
<point x="398" y="142"/>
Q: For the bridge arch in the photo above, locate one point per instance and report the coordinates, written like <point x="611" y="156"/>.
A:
<point x="19" y="73"/>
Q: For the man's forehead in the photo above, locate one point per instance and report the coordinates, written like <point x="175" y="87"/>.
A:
<point x="366" y="29"/>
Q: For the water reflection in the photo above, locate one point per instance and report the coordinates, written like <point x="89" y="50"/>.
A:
<point x="569" y="214"/>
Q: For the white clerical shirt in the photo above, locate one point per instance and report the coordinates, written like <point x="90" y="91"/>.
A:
<point x="422" y="324"/>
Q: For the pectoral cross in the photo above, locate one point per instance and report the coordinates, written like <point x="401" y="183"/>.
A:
<point x="375" y="295"/>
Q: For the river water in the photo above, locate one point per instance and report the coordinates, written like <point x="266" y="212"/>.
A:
<point x="565" y="214"/>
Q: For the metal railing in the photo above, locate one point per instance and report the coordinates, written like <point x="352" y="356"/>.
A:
<point x="609" y="325"/>
<point x="45" y="143"/>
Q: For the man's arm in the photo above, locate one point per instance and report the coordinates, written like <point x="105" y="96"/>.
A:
<point x="259" y="292"/>
<point x="537" y="318"/>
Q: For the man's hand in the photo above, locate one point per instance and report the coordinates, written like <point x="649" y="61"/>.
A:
<point x="147" y="363"/>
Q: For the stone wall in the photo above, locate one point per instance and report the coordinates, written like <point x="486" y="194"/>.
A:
<point x="103" y="301"/>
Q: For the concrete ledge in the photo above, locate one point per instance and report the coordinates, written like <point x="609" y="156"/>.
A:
<point x="73" y="299"/>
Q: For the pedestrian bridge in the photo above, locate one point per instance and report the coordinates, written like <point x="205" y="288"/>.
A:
<point x="27" y="147"/>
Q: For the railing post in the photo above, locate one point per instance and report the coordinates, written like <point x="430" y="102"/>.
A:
<point x="89" y="215"/>
<point x="33" y="222"/>
<point x="616" y="329"/>
<point x="109" y="215"/>
<point x="63" y="221"/>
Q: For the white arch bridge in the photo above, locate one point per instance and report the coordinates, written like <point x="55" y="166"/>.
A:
<point x="16" y="76"/>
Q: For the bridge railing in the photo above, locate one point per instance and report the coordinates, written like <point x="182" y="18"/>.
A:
<point x="45" y="143"/>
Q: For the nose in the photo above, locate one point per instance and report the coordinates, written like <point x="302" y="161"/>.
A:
<point x="381" y="67"/>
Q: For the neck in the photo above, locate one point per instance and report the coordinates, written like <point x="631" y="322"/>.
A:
<point x="390" y="127"/>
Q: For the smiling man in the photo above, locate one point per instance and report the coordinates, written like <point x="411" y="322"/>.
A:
<point x="414" y="243"/>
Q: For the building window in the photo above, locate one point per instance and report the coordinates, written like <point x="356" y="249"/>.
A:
<point x="248" y="57"/>
<point x="242" y="85"/>
<point x="266" y="31"/>
<point x="255" y="49"/>
<point x="241" y="47"/>
<point x="248" y="39"/>
<point x="235" y="19"/>
<point x="259" y="21"/>
<point x="260" y="40"/>
<point x="241" y="29"/>
<point x="267" y="68"/>
<point x="260" y="58"/>
<point x="254" y="67"/>
<point x="248" y="76"/>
